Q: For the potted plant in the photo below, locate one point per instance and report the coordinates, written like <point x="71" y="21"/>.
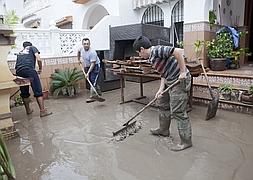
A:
<point x="65" y="82"/>
<point x="247" y="97"/>
<point x="212" y="17"/>
<point x="234" y="56"/>
<point x="218" y="50"/>
<point x="226" y="90"/>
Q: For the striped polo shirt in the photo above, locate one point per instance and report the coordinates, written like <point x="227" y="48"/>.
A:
<point x="162" y="60"/>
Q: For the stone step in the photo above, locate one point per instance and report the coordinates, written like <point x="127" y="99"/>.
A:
<point x="234" y="106"/>
<point x="202" y="83"/>
<point x="241" y="82"/>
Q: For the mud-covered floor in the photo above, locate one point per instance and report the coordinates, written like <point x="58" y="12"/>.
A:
<point x="74" y="143"/>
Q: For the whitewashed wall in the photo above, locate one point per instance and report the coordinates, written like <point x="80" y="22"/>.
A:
<point x="197" y="11"/>
<point x="50" y="42"/>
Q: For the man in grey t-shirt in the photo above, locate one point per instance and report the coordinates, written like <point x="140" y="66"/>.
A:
<point x="91" y="64"/>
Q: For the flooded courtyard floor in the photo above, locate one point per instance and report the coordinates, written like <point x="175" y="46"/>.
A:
<point x="75" y="143"/>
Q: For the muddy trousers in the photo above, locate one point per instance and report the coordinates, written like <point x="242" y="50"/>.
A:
<point x="173" y="105"/>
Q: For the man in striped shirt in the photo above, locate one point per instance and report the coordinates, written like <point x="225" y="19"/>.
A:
<point x="169" y="62"/>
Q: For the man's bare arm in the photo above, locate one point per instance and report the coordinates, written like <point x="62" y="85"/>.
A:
<point x="39" y="62"/>
<point x="179" y="55"/>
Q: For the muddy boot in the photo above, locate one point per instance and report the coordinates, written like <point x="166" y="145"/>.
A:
<point x="183" y="145"/>
<point x="164" y="127"/>
<point x="186" y="141"/>
<point x="27" y="106"/>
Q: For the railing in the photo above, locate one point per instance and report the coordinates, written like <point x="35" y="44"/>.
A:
<point x="50" y="42"/>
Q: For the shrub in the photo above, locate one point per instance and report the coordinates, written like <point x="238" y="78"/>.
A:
<point x="226" y="88"/>
<point x="65" y="82"/>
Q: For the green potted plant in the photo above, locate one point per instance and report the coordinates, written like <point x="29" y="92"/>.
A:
<point x="65" y="82"/>
<point x="235" y="54"/>
<point x="212" y="17"/>
<point x="218" y="50"/>
<point x="226" y="90"/>
<point x="247" y="96"/>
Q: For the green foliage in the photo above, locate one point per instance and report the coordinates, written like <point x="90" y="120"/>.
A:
<point x="7" y="170"/>
<point x="251" y="89"/>
<point x="226" y="88"/>
<point x="180" y="44"/>
<point x="198" y="47"/>
<point x="11" y="18"/>
<point x="65" y="82"/>
<point x="221" y="47"/>
<point x="238" y="52"/>
<point x="212" y="17"/>
<point x="18" y="100"/>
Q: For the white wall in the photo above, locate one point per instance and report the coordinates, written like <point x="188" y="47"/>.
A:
<point x="194" y="11"/>
<point x="98" y="13"/>
<point x="16" y="5"/>
<point x="237" y="7"/>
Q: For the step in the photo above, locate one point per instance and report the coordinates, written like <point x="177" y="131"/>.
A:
<point x="226" y="105"/>
<point x="216" y="79"/>
<point x="240" y="80"/>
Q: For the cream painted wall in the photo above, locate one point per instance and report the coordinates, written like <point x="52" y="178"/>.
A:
<point x="197" y="11"/>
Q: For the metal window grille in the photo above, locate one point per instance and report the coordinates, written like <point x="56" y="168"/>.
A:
<point x="153" y="15"/>
<point x="177" y="21"/>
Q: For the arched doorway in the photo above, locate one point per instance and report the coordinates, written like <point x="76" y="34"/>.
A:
<point x="177" y="22"/>
<point x="93" y="16"/>
<point x="153" y="15"/>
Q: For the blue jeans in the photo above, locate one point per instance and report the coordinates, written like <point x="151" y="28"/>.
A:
<point x="35" y="83"/>
<point x="94" y="79"/>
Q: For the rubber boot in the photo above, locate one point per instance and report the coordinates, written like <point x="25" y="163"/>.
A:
<point x="164" y="126"/>
<point x="186" y="142"/>
<point x="27" y="106"/>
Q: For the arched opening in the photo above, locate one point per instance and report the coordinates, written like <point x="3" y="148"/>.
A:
<point x="153" y="15"/>
<point x="177" y="22"/>
<point x="93" y="16"/>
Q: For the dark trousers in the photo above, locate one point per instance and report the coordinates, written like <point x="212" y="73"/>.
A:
<point x="94" y="79"/>
<point x="35" y="83"/>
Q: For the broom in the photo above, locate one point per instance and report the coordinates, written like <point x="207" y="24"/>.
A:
<point x="97" y="97"/>
<point x="132" y="127"/>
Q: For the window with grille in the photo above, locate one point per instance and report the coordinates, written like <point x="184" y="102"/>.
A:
<point x="153" y="15"/>
<point x="177" y="21"/>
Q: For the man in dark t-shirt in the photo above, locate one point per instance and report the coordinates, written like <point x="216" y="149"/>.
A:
<point x="25" y="67"/>
<point x="169" y="62"/>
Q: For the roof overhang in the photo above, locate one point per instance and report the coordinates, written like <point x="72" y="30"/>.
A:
<point x="80" y="1"/>
<point x="64" y="20"/>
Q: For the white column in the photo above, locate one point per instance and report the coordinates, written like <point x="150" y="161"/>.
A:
<point x="55" y="42"/>
<point x="194" y="11"/>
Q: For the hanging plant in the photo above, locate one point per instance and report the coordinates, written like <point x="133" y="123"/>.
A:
<point x="212" y="17"/>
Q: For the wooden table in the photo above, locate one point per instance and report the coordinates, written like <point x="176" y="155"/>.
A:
<point x="122" y="76"/>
